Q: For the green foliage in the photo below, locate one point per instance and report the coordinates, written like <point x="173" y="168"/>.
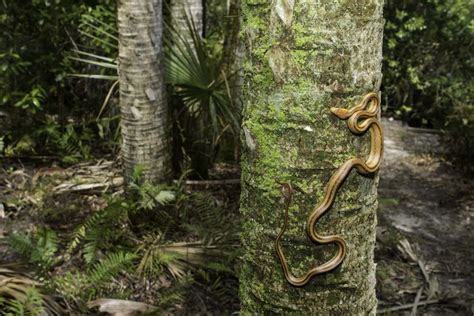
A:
<point x="38" y="249"/>
<point x="428" y="66"/>
<point x="102" y="231"/>
<point x="108" y="267"/>
<point x="31" y="304"/>
<point x="196" y="78"/>
<point x="32" y="100"/>
<point x="99" y="25"/>
<point x="202" y="105"/>
<point x="35" y="90"/>
<point x="156" y="233"/>
<point x="21" y="295"/>
<point x="70" y="143"/>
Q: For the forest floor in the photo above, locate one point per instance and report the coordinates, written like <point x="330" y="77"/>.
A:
<point x="425" y="239"/>
<point x="424" y="251"/>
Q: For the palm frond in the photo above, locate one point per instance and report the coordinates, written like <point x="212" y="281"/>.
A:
<point x="96" y="63"/>
<point x="197" y="79"/>
<point x="178" y="258"/>
<point x="96" y="76"/>
<point x="100" y="57"/>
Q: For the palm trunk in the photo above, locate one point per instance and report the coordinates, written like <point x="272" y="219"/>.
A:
<point x="194" y="9"/>
<point x="145" y="117"/>
<point x="304" y="57"/>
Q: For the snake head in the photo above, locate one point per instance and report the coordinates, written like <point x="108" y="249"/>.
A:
<point x="342" y="114"/>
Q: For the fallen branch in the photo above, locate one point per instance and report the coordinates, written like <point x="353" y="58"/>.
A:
<point x="417" y="302"/>
<point x="70" y="187"/>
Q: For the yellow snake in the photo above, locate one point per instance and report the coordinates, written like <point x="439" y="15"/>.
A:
<point x="359" y="119"/>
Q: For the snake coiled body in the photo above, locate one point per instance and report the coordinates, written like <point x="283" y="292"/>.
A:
<point x="360" y="118"/>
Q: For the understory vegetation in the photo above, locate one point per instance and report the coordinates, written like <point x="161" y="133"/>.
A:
<point x="176" y="247"/>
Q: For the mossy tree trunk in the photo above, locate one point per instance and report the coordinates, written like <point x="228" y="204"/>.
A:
<point x="302" y="58"/>
<point x="143" y="105"/>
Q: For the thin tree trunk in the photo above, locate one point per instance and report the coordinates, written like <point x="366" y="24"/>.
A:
<point x="194" y="9"/>
<point x="233" y="53"/>
<point x="232" y="61"/>
<point x="302" y="58"/>
<point x="145" y="117"/>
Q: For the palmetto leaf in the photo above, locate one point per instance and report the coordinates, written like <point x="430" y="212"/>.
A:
<point x="197" y="79"/>
<point x="96" y="63"/>
<point x="96" y="76"/>
<point x="100" y="57"/>
<point x="176" y="257"/>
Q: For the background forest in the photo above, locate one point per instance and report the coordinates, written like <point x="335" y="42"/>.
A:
<point x="172" y="246"/>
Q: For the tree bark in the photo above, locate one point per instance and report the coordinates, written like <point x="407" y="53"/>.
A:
<point x="302" y="58"/>
<point x="143" y="105"/>
<point x="233" y="53"/>
<point x="194" y="9"/>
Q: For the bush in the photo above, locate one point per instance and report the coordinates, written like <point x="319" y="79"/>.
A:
<point x="428" y="66"/>
<point x="35" y="90"/>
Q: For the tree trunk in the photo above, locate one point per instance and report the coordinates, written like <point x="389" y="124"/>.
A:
<point x="145" y="117"/>
<point x="233" y="52"/>
<point x="194" y="9"/>
<point x="302" y="58"/>
<point x="232" y="60"/>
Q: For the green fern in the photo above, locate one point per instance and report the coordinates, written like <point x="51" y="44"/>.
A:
<point x="110" y="266"/>
<point x="46" y="247"/>
<point x="81" y="232"/>
<point x="21" y="243"/>
<point x="21" y="295"/>
<point x="100" y="230"/>
<point x="38" y="249"/>
<point x="29" y="305"/>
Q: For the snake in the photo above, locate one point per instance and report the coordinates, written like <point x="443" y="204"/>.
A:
<point x="359" y="119"/>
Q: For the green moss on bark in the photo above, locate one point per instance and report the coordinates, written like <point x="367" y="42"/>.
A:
<point x="299" y="64"/>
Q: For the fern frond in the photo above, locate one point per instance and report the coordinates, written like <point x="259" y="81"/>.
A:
<point x="80" y="232"/>
<point x="30" y="304"/>
<point x="110" y="266"/>
<point x="45" y="247"/>
<point x="20" y="293"/>
<point x="21" y="243"/>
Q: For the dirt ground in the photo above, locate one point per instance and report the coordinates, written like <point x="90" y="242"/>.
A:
<point x="425" y="262"/>
<point x="425" y="234"/>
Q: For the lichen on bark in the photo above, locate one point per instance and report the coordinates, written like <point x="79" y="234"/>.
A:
<point x="303" y="57"/>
